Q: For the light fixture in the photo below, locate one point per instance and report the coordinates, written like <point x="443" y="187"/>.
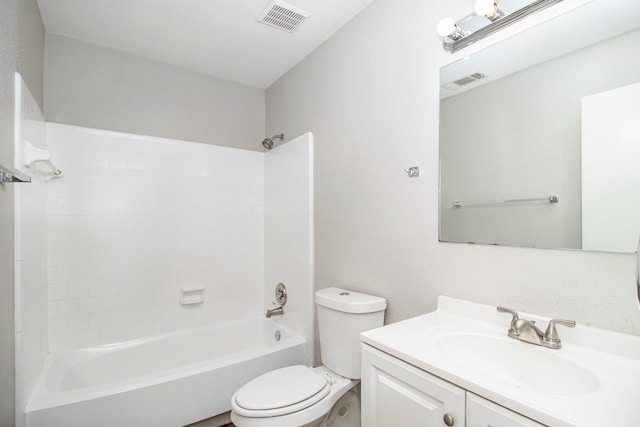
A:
<point x="489" y="17"/>
<point x="489" y="9"/>
<point x="448" y="28"/>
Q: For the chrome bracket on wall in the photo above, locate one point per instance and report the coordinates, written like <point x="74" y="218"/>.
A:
<point x="9" y="175"/>
<point x="413" y="171"/>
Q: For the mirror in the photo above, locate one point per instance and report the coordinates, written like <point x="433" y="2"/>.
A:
<point x="540" y="135"/>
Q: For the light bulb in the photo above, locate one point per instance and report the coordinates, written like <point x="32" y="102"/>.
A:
<point x="446" y="27"/>
<point x="485" y="7"/>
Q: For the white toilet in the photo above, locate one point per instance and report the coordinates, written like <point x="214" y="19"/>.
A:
<point x="299" y="396"/>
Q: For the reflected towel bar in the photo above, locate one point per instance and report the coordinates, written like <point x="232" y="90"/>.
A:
<point x="549" y="199"/>
<point x="10" y="175"/>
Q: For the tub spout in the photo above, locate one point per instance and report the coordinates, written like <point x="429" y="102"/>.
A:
<point x="278" y="311"/>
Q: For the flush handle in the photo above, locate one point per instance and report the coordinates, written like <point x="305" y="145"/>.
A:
<point x="448" y="419"/>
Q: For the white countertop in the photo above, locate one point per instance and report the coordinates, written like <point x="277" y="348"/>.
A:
<point x="611" y="399"/>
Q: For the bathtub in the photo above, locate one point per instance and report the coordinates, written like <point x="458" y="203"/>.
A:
<point x="169" y="380"/>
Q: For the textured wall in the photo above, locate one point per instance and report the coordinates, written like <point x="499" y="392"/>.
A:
<point x="8" y="56"/>
<point x="92" y="86"/>
<point x="21" y="49"/>
<point x="370" y="96"/>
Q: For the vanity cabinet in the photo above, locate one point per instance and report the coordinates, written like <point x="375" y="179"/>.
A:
<point x="395" y="393"/>
<point x="484" y="413"/>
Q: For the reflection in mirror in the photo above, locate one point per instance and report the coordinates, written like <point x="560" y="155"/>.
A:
<point x="550" y="112"/>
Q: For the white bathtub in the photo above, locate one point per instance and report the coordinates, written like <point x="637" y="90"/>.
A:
<point x="169" y="380"/>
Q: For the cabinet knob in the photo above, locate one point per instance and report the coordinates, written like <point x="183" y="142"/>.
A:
<point x="448" y="419"/>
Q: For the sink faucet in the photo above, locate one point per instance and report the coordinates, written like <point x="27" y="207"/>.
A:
<point x="527" y="331"/>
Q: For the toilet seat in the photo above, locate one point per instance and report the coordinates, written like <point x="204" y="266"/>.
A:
<point x="309" y="412"/>
<point x="280" y="392"/>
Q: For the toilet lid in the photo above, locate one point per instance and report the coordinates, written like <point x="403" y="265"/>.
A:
<point x="282" y="388"/>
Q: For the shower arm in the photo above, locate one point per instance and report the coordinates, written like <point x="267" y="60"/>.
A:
<point x="268" y="142"/>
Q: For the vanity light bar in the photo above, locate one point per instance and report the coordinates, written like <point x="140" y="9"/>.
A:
<point x="453" y="45"/>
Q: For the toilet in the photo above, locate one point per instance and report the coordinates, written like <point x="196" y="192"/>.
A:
<point x="326" y="396"/>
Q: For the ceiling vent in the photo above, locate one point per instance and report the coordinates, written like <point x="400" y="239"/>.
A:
<point x="283" y="16"/>
<point x="463" y="81"/>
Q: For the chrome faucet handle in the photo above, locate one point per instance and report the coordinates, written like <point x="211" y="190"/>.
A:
<point x="551" y="338"/>
<point x="511" y="311"/>
<point x="551" y="332"/>
<point x="513" y="330"/>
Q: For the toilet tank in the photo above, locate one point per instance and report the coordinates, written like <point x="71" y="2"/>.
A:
<point x="342" y="316"/>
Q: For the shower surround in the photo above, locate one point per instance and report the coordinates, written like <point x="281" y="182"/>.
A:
<point x="137" y="218"/>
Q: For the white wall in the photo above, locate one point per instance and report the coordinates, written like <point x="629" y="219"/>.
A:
<point x="136" y="218"/>
<point x="30" y="252"/>
<point x="370" y="96"/>
<point x="92" y="86"/>
<point x="288" y="233"/>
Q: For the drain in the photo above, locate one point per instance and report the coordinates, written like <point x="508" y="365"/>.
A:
<point x="278" y="335"/>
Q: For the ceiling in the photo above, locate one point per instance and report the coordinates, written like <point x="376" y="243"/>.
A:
<point x="221" y="38"/>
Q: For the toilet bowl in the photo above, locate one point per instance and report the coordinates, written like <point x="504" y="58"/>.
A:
<point x="294" y="396"/>
<point x="346" y="412"/>
<point x="300" y="396"/>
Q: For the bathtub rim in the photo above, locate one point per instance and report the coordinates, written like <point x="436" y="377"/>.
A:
<point x="42" y="398"/>
<point x="80" y="355"/>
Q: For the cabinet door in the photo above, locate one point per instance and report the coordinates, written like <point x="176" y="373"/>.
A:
<point x="484" y="413"/>
<point x="395" y="393"/>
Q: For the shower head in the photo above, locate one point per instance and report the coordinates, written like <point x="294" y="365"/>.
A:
<point x="268" y="142"/>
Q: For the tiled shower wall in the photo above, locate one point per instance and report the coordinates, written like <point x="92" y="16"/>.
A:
<point x="31" y="252"/>
<point x="133" y="220"/>
<point x="288" y="234"/>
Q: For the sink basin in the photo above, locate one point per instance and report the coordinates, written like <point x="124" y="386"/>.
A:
<point x="522" y="365"/>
